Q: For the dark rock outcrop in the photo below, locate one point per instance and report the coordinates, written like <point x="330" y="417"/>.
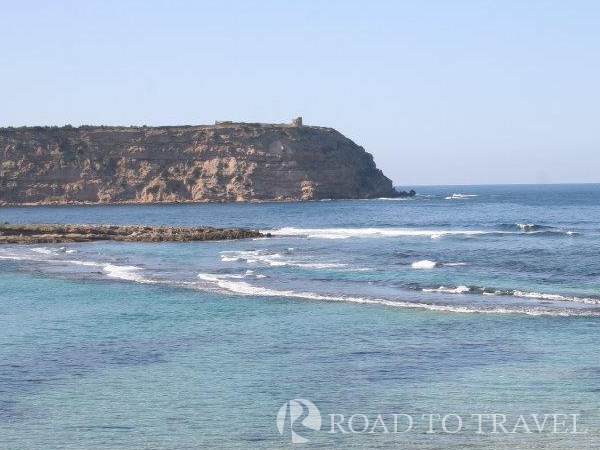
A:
<point x="222" y="162"/>
<point x="48" y="233"/>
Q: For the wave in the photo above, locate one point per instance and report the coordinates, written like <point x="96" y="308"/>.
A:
<point x="124" y="273"/>
<point x="43" y="250"/>
<point x="52" y="250"/>
<point x="128" y="273"/>
<point x="345" y="233"/>
<point x="424" y="264"/>
<point x="534" y="228"/>
<point x="524" y="226"/>
<point x="239" y="284"/>
<point x="556" y="297"/>
<point x="460" y="196"/>
<point x="371" y="232"/>
<point x="225" y="283"/>
<point x="449" y="290"/>
<point x="513" y="293"/>
<point x="427" y="264"/>
<point x="530" y="226"/>
<point x="280" y="260"/>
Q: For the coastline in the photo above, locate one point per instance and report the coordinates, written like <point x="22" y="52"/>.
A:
<point x="401" y="194"/>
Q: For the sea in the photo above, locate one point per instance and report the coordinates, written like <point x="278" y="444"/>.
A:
<point x="462" y="303"/>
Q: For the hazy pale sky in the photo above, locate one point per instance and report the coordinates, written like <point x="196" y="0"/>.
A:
<point x="441" y="92"/>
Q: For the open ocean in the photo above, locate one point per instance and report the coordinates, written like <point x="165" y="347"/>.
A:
<point x="463" y="300"/>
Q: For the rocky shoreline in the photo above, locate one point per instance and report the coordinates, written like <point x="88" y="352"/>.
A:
<point x="54" y="234"/>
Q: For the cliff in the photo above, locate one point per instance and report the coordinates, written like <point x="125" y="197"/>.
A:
<point x="221" y="162"/>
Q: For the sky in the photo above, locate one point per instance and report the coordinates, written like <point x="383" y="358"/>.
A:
<point x="440" y="92"/>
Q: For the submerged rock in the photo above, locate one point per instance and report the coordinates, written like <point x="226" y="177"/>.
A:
<point x="397" y="193"/>
<point x="225" y="162"/>
<point x="49" y="233"/>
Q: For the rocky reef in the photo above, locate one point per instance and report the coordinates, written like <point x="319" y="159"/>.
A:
<point x="225" y="162"/>
<point x="49" y="233"/>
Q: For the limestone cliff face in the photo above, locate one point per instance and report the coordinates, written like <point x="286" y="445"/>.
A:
<point x="223" y="162"/>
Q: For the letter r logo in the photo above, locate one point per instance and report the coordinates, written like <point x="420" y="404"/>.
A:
<point x="296" y="408"/>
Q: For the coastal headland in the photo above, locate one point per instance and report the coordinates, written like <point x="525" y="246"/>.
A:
<point x="224" y="162"/>
<point x="51" y="233"/>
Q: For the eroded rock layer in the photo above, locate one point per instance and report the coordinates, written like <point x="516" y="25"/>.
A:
<point x="223" y="162"/>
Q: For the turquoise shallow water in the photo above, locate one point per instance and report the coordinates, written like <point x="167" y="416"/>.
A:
<point x="119" y="345"/>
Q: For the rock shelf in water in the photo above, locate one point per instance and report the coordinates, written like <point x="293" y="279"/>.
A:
<point x="50" y="233"/>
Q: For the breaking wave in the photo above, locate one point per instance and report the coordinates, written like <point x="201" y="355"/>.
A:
<point x="281" y="259"/>
<point x="449" y="290"/>
<point x="524" y="226"/>
<point x="248" y="283"/>
<point x="534" y="228"/>
<point x="513" y="293"/>
<point x="52" y="250"/>
<point x="229" y="285"/>
<point x="460" y="196"/>
<point x="427" y="264"/>
<point x="128" y="273"/>
<point x="345" y="233"/>
<point x="424" y="264"/>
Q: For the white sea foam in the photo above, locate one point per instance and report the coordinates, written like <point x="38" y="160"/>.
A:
<point x="51" y="250"/>
<point x="13" y="257"/>
<point x="459" y="196"/>
<point x="279" y="260"/>
<point x="250" y="273"/>
<point x="78" y="263"/>
<point x="424" y="264"/>
<point x="229" y="259"/>
<point x="129" y="273"/>
<point x="449" y="290"/>
<point x="44" y="250"/>
<point x="344" y="233"/>
<point x="247" y="289"/>
<point x="527" y="226"/>
<point x="515" y="293"/>
<point x="556" y="297"/>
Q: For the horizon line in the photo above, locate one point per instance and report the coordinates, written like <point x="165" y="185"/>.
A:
<point x="561" y="183"/>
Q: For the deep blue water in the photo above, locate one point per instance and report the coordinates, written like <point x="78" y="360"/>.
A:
<point x="465" y="300"/>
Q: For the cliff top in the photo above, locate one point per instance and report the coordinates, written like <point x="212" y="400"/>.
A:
<point x="219" y="124"/>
